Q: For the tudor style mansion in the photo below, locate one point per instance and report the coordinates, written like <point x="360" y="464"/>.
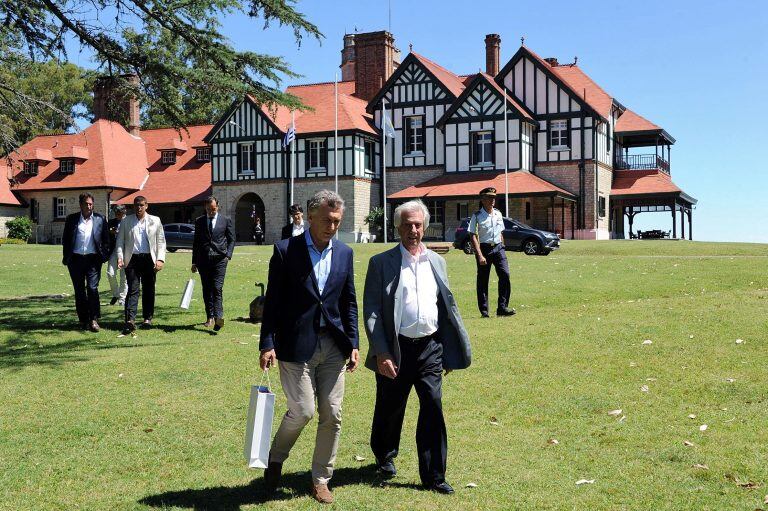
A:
<point x="578" y="161"/>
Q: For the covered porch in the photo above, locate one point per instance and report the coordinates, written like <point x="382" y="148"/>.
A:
<point x="652" y="191"/>
<point x="454" y="197"/>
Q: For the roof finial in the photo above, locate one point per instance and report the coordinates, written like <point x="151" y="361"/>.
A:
<point x="575" y="60"/>
<point x="522" y="41"/>
<point x="410" y="47"/>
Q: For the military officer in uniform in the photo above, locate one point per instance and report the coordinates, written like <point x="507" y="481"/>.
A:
<point x="485" y="228"/>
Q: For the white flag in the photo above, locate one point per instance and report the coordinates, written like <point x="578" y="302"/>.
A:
<point x="389" y="130"/>
<point x="290" y="136"/>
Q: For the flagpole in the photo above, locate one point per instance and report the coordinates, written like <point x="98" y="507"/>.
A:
<point x="506" y="157"/>
<point x="336" y="131"/>
<point x="293" y="156"/>
<point x="384" y="162"/>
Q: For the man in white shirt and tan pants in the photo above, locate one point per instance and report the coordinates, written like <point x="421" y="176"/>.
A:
<point x="141" y="251"/>
<point x="415" y="331"/>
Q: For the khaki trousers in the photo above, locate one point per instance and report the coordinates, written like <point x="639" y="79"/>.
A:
<point x="321" y="378"/>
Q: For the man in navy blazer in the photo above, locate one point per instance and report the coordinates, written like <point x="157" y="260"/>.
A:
<point x="86" y="247"/>
<point x="310" y="326"/>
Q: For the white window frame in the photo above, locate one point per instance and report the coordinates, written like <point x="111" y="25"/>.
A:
<point x="416" y="135"/>
<point x="67" y="166"/>
<point x="245" y="163"/>
<point x="369" y="166"/>
<point x="61" y="207"/>
<point x="487" y="144"/>
<point x="31" y="168"/>
<point x="602" y="209"/>
<point x="560" y="127"/>
<point x="168" y="157"/>
<point x="316" y="145"/>
<point x="203" y="154"/>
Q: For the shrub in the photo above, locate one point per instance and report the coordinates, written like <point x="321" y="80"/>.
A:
<point x="375" y="221"/>
<point x="19" y="228"/>
<point x="11" y="241"/>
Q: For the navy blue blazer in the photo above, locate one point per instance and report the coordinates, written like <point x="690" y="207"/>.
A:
<point x="100" y="235"/>
<point x="293" y="304"/>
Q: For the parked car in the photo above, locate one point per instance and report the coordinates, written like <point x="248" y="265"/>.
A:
<point x="517" y="236"/>
<point x="178" y="236"/>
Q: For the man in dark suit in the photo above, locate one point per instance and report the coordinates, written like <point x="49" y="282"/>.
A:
<point x="415" y="331"/>
<point x="212" y="248"/>
<point x="296" y="226"/>
<point x="86" y="247"/>
<point x="310" y="326"/>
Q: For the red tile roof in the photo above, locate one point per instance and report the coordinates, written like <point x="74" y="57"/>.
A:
<point x="642" y="182"/>
<point x="187" y="180"/>
<point x="452" y="81"/>
<point x="320" y="96"/>
<point x="7" y="198"/>
<point x="580" y="84"/>
<point x="630" y="121"/>
<point x="469" y="184"/>
<point x="115" y="159"/>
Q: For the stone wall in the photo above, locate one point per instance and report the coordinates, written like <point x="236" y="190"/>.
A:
<point x="9" y="213"/>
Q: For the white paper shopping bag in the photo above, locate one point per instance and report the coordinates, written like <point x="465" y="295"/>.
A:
<point x="258" y="430"/>
<point x="186" y="298"/>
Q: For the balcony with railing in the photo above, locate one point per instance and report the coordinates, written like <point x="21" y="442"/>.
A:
<point x="640" y="162"/>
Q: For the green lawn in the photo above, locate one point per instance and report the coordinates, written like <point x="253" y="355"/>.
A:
<point x="93" y="421"/>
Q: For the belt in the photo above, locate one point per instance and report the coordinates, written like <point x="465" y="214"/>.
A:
<point x="489" y="245"/>
<point x="416" y="340"/>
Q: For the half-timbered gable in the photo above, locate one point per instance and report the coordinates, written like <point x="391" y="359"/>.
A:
<point x="475" y="134"/>
<point x="416" y="96"/>
<point x="246" y="144"/>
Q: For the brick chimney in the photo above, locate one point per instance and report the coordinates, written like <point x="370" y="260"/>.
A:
<point x="552" y="61"/>
<point x="375" y="60"/>
<point x="492" y="49"/>
<point x="112" y="102"/>
<point x="348" y="58"/>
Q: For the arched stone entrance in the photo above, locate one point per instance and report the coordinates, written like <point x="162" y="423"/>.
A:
<point x="248" y="208"/>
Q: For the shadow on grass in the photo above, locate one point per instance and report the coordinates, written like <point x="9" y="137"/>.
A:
<point x="231" y="498"/>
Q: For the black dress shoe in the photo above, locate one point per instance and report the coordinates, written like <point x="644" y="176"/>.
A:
<point x="130" y="328"/>
<point x="484" y="315"/>
<point x="113" y="300"/>
<point x="387" y="470"/>
<point x="272" y="475"/>
<point x="218" y="324"/>
<point x="147" y="323"/>
<point x="506" y="311"/>
<point x="442" y="487"/>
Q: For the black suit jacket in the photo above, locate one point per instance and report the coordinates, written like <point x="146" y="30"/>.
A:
<point x="221" y="240"/>
<point x="100" y="235"/>
<point x="293" y="303"/>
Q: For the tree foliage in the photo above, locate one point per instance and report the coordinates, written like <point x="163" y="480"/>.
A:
<point x="174" y="46"/>
<point x="20" y="228"/>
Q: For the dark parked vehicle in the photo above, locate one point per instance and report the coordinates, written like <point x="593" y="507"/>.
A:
<point x="517" y="236"/>
<point x="178" y="236"/>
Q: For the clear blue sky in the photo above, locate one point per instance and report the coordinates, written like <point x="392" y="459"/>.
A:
<point x="698" y="69"/>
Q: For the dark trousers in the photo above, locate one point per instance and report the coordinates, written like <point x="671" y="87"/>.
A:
<point x="212" y="272"/>
<point x="494" y="256"/>
<point x="140" y="272"/>
<point x="421" y="366"/>
<point x="85" y="272"/>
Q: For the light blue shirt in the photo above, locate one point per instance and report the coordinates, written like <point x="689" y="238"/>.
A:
<point x="321" y="264"/>
<point x="488" y="227"/>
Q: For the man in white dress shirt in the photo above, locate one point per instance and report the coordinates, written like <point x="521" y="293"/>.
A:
<point x="415" y="331"/>
<point x="86" y="246"/>
<point x="485" y="229"/>
<point x="296" y="226"/>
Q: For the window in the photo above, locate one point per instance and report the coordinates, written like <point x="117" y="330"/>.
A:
<point x="186" y="229"/>
<point x="435" y="212"/>
<point x="60" y="210"/>
<point x="34" y="210"/>
<point x="601" y="206"/>
<point x="169" y="157"/>
<point x="558" y="135"/>
<point x="527" y="210"/>
<point x="171" y="228"/>
<point x="369" y="150"/>
<point x="462" y="211"/>
<point x="246" y="158"/>
<point x="67" y="166"/>
<point x="482" y="148"/>
<point x="414" y="134"/>
<point x="203" y="154"/>
<point x="30" y="168"/>
<point x="318" y="156"/>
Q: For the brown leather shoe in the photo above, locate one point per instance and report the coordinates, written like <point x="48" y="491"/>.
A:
<point x="94" y="326"/>
<point x="272" y="475"/>
<point x="209" y="323"/>
<point x="322" y="494"/>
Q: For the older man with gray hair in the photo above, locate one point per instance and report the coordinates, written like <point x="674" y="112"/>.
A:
<point x="415" y="331"/>
<point x="310" y="326"/>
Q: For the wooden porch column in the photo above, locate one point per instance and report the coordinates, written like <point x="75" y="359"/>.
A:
<point x="674" y="220"/>
<point x="682" y="223"/>
<point x="631" y="218"/>
<point x="573" y="222"/>
<point x="690" y="224"/>
<point x="552" y="215"/>
<point x="562" y="216"/>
